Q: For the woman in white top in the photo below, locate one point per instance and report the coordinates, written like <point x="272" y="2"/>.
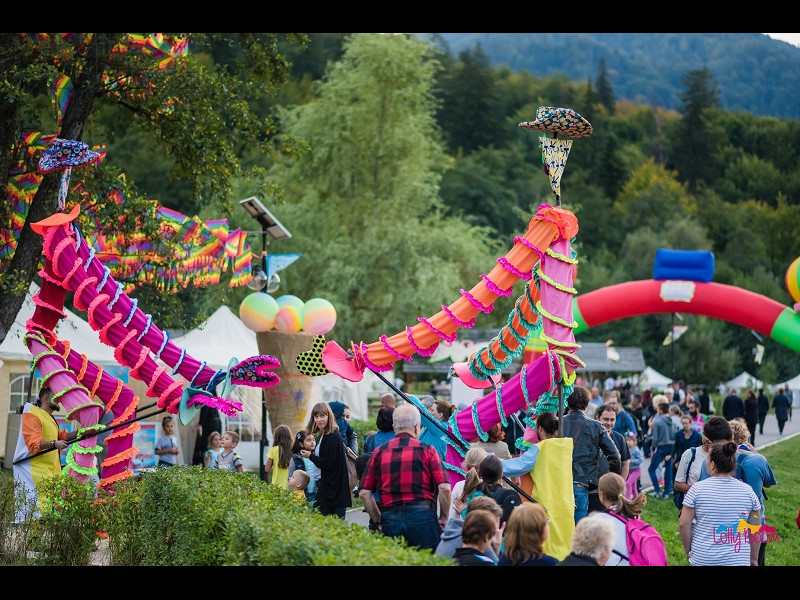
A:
<point x="720" y="534"/>
<point x="472" y="459"/>
<point x="611" y="492"/>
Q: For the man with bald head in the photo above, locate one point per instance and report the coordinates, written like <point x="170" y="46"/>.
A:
<point x="408" y="475"/>
<point x="388" y="400"/>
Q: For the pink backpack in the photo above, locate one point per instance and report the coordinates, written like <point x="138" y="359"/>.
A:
<point x="645" y="546"/>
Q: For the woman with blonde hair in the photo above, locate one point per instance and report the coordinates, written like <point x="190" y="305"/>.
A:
<point x="333" y="489"/>
<point x="611" y="491"/>
<point x="526" y="531"/>
<point x="472" y="459"/>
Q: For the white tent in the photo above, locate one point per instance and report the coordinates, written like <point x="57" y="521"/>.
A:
<point x="650" y="378"/>
<point x="15" y="361"/>
<point x="223" y="336"/>
<point x="220" y="338"/>
<point x="72" y="328"/>
<point x="743" y="381"/>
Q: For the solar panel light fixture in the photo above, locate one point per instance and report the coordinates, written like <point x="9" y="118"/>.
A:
<point x="265" y="218"/>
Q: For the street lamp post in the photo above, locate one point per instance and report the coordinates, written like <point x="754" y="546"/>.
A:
<point x="269" y="225"/>
<point x="672" y="348"/>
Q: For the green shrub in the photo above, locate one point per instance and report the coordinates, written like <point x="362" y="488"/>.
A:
<point x="192" y="516"/>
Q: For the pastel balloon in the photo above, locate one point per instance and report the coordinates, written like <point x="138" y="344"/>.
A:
<point x="289" y="319"/>
<point x="258" y="310"/>
<point x="289" y="300"/>
<point x="793" y="279"/>
<point x="319" y="316"/>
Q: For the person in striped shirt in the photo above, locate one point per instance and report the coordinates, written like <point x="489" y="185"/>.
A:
<point x="727" y="515"/>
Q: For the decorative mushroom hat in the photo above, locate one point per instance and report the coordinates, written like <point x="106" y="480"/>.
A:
<point x="564" y="121"/>
<point x="65" y="154"/>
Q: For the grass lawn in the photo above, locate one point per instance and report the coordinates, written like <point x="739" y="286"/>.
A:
<point x="781" y="510"/>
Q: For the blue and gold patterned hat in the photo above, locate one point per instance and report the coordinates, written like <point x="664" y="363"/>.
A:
<point x="560" y="121"/>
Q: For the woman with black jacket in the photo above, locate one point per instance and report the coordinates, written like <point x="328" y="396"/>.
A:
<point x="333" y="488"/>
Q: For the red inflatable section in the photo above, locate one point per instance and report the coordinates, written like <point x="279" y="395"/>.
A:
<point x="636" y="298"/>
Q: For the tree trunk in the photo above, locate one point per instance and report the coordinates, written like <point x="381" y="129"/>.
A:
<point x="25" y="263"/>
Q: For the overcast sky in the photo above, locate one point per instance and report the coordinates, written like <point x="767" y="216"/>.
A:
<point x="792" y="38"/>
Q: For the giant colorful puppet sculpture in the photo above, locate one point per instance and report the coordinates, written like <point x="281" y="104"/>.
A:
<point x="82" y="388"/>
<point x="543" y="257"/>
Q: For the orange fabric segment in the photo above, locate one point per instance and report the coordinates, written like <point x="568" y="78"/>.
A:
<point x="56" y="220"/>
<point x="542" y="232"/>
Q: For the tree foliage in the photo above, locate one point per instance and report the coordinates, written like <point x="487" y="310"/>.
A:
<point x="195" y="112"/>
<point x="374" y="240"/>
<point x="402" y="173"/>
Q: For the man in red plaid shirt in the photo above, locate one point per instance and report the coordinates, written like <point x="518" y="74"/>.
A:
<point x="408" y="476"/>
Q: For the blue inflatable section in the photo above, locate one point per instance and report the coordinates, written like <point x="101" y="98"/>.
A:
<point x="688" y="265"/>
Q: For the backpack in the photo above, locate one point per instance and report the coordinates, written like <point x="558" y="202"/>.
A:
<point x="645" y="546"/>
<point x="677" y="497"/>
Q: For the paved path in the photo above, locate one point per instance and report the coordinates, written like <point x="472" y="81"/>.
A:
<point x="770" y="437"/>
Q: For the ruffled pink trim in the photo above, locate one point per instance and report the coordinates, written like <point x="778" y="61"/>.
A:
<point x="75" y="266"/>
<point x="39" y="302"/>
<point x="394" y="352"/>
<point x="512" y="269"/>
<point x="529" y="244"/>
<point x="468" y="324"/>
<point x="92" y="306"/>
<point x="371" y="365"/>
<point x="103" y="334"/>
<point x="447" y="338"/>
<point x="62" y="245"/>
<point x="492" y="287"/>
<point x="120" y="349"/>
<point x="143" y="354"/>
<point x="476" y="303"/>
<point x="416" y="348"/>
<point x="48" y="242"/>
<point x="78" y="297"/>
<point x="47" y="277"/>
<point x="151" y="392"/>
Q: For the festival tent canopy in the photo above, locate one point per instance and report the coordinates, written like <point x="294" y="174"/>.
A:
<point x="743" y="381"/>
<point x="224" y="336"/>
<point x="72" y="328"/>
<point x="650" y="378"/>
<point x="220" y="338"/>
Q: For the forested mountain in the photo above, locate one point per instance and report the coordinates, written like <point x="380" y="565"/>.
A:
<point x="755" y="73"/>
<point x="401" y="171"/>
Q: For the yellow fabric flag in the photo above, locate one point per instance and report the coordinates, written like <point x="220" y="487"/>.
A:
<point x="550" y="484"/>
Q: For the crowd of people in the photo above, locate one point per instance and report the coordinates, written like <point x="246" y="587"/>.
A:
<point x="516" y="508"/>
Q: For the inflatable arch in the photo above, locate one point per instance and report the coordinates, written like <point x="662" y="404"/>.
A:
<point x="725" y="302"/>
